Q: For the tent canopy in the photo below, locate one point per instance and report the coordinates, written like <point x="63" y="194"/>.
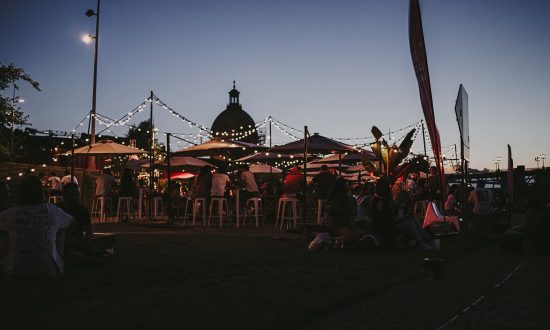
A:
<point x="106" y="147"/>
<point x="317" y="144"/>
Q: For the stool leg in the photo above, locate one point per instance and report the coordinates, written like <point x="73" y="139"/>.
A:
<point x="295" y="213"/>
<point x="220" y="211"/>
<point x="277" y="218"/>
<point x="256" y="213"/>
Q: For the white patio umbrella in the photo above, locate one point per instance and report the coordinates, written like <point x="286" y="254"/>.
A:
<point x="106" y="147"/>
<point x="263" y="168"/>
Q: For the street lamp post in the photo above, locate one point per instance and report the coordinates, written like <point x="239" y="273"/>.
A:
<point x="91" y="13"/>
<point x="537" y="159"/>
<point x="543" y="157"/>
<point x="497" y="161"/>
<point x="14" y="101"/>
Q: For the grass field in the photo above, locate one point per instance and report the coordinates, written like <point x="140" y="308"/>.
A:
<point x="210" y="279"/>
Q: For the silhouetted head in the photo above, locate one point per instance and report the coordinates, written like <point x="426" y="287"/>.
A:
<point x="339" y="189"/>
<point x="221" y="170"/>
<point x="67" y="173"/>
<point x="206" y="169"/>
<point x="383" y="188"/>
<point x="30" y="191"/>
<point x="481" y="184"/>
<point x="324" y="168"/>
<point x="71" y="194"/>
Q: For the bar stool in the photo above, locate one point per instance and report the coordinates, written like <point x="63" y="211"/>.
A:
<point x="55" y="199"/>
<point x="188" y="202"/>
<point x="124" y="203"/>
<point x="221" y="204"/>
<point x="320" y="203"/>
<point x="99" y="208"/>
<point x="199" y="202"/>
<point x="282" y="211"/>
<point x="158" y="204"/>
<point x="256" y="203"/>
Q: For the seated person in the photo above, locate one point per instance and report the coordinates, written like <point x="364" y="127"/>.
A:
<point x="405" y="222"/>
<point x="323" y="181"/>
<point x="35" y="234"/>
<point x="341" y="208"/>
<point x="220" y="183"/>
<point x="293" y="183"/>
<point x="78" y="238"/>
<point x="249" y="182"/>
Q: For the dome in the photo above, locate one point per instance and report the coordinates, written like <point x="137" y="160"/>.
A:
<point x="234" y="122"/>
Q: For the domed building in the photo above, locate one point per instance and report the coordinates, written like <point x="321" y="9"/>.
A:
<point x="234" y="122"/>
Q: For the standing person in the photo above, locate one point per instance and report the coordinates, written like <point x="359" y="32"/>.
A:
<point x="433" y="185"/>
<point x="293" y="183"/>
<point x="323" y="181"/>
<point x="35" y="231"/>
<point x="56" y="188"/>
<point x="220" y="183"/>
<point x="451" y="203"/>
<point x="383" y="211"/>
<point x="67" y="178"/>
<point x="483" y="206"/>
<point x="249" y="182"/>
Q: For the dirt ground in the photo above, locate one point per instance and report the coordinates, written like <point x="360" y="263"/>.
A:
<point x="252" y="278"/>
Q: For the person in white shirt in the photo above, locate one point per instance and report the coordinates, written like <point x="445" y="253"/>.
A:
<point x="56" y="188"/>
<point x="249" y="182"/>
<point x="67" y="178"/>
<point x="220" y="181"/>
<point x="104" y="183"/>
<point x="35" y="234"/>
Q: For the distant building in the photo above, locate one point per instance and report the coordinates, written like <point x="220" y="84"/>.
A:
<point x="234" y="122"/>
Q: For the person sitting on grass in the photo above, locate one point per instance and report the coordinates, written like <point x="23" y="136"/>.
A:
<point x="79" y="236"/>
<point x="407" y="225"/>
<point x="36" y="236"/>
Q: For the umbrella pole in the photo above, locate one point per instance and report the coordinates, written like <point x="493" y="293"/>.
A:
<point x="340" y="164"/>
<point x="72" y="159"/>
<point x="151" y="159"/>
<point x="169" y="201"/>
<point x="304" y="188"/>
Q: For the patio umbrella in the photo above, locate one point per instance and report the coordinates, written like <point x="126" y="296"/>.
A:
<point x="216" y="147"/>
<point x="187" y="163"/>
<point x="263" y="168"/>
<point x="347" y="158"/>
<point x="107" y="147"/>
<point x="267" y="156"/>
<point x="316" y="144"/>
<point x="316" y="166"/>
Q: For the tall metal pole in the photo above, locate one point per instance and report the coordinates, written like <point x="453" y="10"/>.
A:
<point x="72" y="158"/>
<point x="270" y="138"/>
<point x="272" y="162"/>
<point x="12" y="116"/>
<point x="424" y="137"/>
<point x="169" y="170"/>
<point x="91" y="160"/>
<point x="151" y="158"/>
<point x="304" y="189"/>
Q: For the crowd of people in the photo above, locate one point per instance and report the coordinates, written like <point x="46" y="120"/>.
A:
<point x="36" y="235"/>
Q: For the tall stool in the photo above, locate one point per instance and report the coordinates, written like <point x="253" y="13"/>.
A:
<point x="99" y="208"/>
<point x="124" y="204"/>
<point x="218" y="204"/>
<point x="188" y="203"/>
<point x="256" y="203"/>
<point x="55" y="199"/>
<point x="158" y="205"/>
<point x="199" y="202"/>
<point x="290" y="204"/>
<point x="320" y="203"/>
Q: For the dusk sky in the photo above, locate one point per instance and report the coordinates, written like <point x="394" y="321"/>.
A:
<point x="337" y="66"/>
